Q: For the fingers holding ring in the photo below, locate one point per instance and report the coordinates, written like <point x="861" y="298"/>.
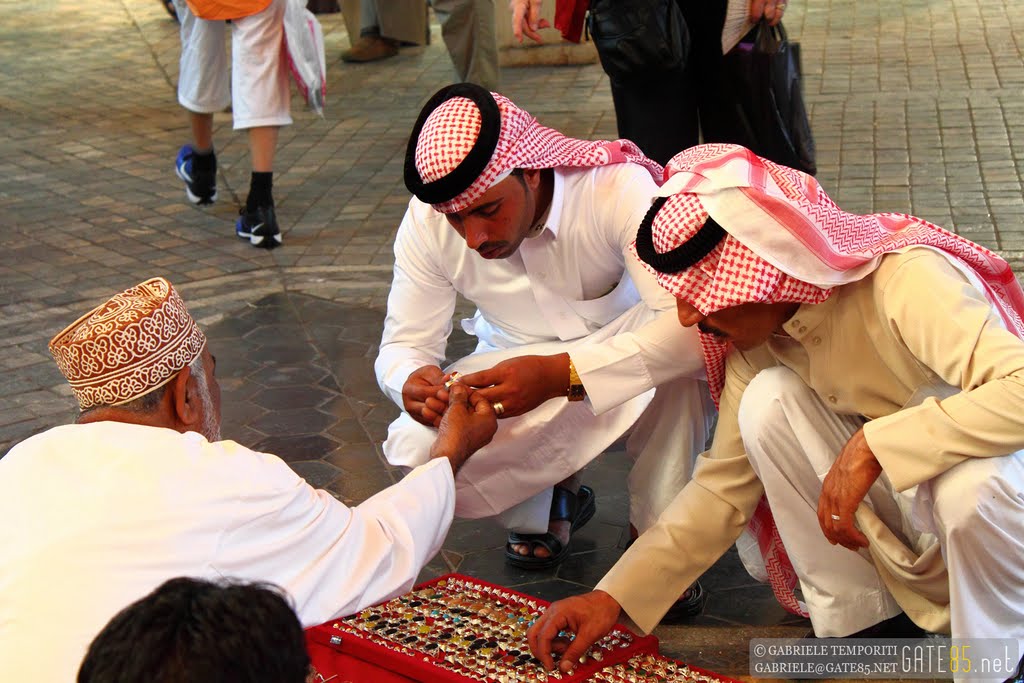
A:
<point x="499" y="409"/>
<point x="836" y="518"/>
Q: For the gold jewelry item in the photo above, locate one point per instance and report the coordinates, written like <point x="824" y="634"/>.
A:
<point x="577" y="392"/>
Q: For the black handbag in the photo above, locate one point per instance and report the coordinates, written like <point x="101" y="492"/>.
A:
<point x="764" y="76"/>
<point x="639" y="40"/>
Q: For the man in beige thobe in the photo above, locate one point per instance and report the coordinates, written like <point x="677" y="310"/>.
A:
<point x="870" y="378"/>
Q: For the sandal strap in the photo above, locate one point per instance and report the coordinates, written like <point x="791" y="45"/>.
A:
<point x="564" y="504"/>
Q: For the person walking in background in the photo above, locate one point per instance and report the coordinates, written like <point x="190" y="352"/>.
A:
<point x="666" y="111"/>
<point x="467" y="27"/>
<point x="257" y="91"/>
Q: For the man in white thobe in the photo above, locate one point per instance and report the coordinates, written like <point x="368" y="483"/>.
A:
<point x="577" y="345"/>
<point x="142" y="489"/>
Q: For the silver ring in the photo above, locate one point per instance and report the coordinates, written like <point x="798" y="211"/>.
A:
<point x="836" y="517"/>
<point x="498" y="408"/>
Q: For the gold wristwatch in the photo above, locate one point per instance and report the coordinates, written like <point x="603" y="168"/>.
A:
<point x="576" y="392"/>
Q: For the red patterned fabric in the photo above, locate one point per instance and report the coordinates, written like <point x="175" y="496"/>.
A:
<point x="781" y="575"/>
<point x="134" y="343"/>
<point x="451" y="130"/>
<point x="788" y="241"/>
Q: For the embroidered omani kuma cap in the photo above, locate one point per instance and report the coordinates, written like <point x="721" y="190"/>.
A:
<point x="132" y="344"/>
<point x="466" y="140"/>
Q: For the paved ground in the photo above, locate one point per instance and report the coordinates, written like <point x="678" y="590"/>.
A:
<point x="916" y="106"/>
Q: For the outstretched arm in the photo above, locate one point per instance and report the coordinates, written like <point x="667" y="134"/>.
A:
<point x="521" y="384"/>
<point x="589" y="616"/>
<point x="468" y="425"/>
<point x="420" y="307"/>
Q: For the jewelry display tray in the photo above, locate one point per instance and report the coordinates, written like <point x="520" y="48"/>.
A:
<point x="458" y="629"/>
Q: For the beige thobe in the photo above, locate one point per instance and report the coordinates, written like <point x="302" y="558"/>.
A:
<point x="913" y="333"/>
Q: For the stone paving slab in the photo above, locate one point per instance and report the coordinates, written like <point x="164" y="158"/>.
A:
<point x="916" y="106"/>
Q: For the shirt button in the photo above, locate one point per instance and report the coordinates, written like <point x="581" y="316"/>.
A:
<point x="795" y="323"/>
<point x="831" y="399"/>
<point x="803" y="329"/>
<point x="816" y="341"/>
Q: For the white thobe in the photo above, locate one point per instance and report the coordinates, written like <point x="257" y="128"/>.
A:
<point x="573" y="288"/>
<point x="96" y="516"/>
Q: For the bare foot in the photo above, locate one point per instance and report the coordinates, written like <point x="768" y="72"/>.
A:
<point x="560" y="529"/>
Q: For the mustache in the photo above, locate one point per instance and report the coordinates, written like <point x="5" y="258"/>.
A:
<point x="713" y="331"/>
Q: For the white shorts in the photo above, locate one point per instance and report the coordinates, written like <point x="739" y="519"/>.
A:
<point x="259" y="93"/>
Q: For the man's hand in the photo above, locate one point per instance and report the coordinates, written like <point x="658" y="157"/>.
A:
<point x="590" y="617"/>
<point x="419" y="395"/>
<point x="526" y="19"/>
<point x="468" y="425"/>
<point x="770" y="10"/>
<point x="845" y="486"/>
<point x="521" y="384"/>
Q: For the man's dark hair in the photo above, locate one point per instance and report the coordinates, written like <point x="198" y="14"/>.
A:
<point x="195" y="631"/>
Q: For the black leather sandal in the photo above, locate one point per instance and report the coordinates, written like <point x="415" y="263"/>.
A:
<point x="577" y="509"/>
<point x="687" y="607"/>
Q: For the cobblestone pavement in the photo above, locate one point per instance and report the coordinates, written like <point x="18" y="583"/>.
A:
<point x="916" y="106"/>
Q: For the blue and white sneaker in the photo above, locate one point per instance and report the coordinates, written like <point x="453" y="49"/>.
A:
<point x="259" y="227"/>
<point x="200" y="186"/>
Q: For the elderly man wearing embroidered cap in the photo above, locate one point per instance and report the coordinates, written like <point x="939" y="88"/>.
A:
<point x="141" y="489"/>
<point x="870" y="375"/>
<point x="573" y="334"/>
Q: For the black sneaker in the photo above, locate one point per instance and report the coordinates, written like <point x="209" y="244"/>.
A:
<point x="259" y="227"/>
<point x="200" y="186"/>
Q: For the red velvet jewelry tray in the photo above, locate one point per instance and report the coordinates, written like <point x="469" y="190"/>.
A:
<point x="654" y="667"/>
<point x="454" y="629"/>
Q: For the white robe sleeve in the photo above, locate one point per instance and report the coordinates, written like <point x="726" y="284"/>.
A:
<point x="420" y="308"/>
<point x="636" y="361"/>
<point x="332" y="559"/>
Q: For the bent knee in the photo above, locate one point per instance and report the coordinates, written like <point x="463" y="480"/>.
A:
<point x="974" y="496"/>
<point x="761" y="407"/>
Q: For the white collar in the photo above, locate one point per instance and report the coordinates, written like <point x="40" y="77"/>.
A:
<point x="551" y="220"/>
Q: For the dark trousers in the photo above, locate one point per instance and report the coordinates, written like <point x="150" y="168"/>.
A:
<point x="668" y="116"/>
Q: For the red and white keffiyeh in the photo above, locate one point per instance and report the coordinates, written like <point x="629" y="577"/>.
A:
<point x="780" y="238"/>
<point x="787" y="241"/>
<point x="468" y="139"/>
